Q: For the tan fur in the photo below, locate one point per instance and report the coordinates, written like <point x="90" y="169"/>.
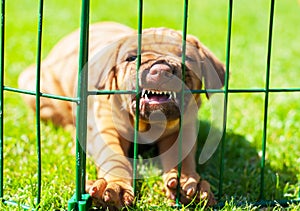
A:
<point x="111" y="118"/>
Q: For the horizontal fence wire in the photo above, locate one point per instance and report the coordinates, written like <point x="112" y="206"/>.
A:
<point x="41" y="94"/>
<point x="81" y="98"/>
<point x="130" y="92"/>
<point x="17" y="204"/>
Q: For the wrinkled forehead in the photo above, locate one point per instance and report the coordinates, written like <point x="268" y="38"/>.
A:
<point x="159" y="41"/>
<point x="161" y="35"/>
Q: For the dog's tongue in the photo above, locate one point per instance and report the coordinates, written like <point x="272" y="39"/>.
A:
<point x="158" y="98"/>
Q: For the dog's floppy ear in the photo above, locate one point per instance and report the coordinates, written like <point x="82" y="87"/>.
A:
<point x="102" y="67"/>
<point x="213" y="70"/>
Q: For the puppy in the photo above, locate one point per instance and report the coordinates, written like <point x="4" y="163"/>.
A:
<point x="165" y="104"/>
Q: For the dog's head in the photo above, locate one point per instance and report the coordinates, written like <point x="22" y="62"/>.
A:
<point x="160" y="75"/>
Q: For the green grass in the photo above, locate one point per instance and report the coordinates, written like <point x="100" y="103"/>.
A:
<point x="208" y="21"/>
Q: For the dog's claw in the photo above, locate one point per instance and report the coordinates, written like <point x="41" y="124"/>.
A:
<point x="128" y="199"/>
<point x="204" y="195"/>
<point x="172" y="183"/>
<point x="190" y="192"/>
<point x="191" y="188"/>
<point x="96" y="188"/>
<point x="107" y="196"/>
<point x="92" y="191"/>
<point x="110" y="194"/>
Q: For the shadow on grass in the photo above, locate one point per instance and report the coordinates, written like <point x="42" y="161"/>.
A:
<point x="241" y="180"/>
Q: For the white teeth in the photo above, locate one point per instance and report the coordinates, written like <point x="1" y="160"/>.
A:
<point x="146" y="92"/>
<point x="174" y="94"/>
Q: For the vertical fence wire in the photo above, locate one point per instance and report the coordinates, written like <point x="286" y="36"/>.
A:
<point x="1" y="94"/>
<point x="183" y="53"/>
<point x="266" y="103"/>
<point x="81" y="119"/>
<point x="137" y="111"/>
<point x="37" y="101"/>
<point x="226" y="88"/>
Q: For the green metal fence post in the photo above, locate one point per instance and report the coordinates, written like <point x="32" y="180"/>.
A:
<point x="37" y="101"/>
<point x="80" y="200"/>
<point x="267" y="91"/>
<point x="1" y="93"/>
<point x="226" y="91"/>
<point x="137" y="111"/>
<point x="183" y="53"/>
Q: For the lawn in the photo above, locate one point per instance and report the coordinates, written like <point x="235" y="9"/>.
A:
<point x="208" y="21"/>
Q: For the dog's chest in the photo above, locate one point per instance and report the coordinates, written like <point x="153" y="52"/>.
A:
<point x="150" y="133"/>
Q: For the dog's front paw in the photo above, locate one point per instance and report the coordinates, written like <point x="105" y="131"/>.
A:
<point x="191" y="188"/>
<point x="113" y="194"/>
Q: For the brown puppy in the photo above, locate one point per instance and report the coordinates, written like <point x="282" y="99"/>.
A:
<point x="112" y="66"/>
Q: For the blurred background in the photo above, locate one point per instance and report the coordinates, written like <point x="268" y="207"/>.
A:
<point x="208" y="21"/>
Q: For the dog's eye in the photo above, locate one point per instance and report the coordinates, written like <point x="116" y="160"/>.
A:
<point x="187" y="57"/>
<point x="131" y="58"/>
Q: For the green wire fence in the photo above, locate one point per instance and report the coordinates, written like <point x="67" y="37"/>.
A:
<point x="81" y="200"/>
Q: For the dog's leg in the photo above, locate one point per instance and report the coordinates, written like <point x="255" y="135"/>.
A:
<point x="114" y="184"/>
<point x="109" y="151"/>
<point x="191" y="187"/>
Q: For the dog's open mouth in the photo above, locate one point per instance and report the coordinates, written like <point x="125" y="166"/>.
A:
<point x="153" y="101"/>
<point x="157" y="97"/>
